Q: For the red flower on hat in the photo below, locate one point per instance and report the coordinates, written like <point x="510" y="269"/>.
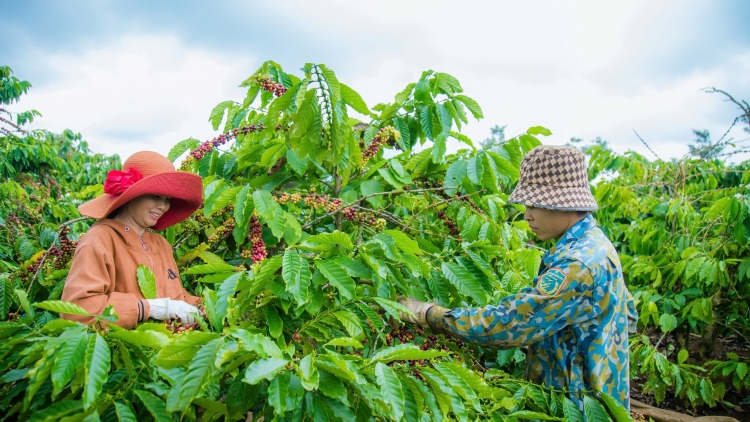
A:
<point x="119" y="181"/>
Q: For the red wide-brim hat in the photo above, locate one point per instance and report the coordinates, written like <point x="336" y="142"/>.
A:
<point x="148" y="173"/>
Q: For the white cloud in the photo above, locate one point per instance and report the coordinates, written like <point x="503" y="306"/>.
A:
<point x="583" y="70"/>
<point x="144" y="92"/>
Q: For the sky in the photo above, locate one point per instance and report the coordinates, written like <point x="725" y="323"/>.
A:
<point x="135" y="75"/>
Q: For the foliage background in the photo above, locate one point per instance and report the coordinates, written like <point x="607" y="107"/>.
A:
<point x="308" y="233"/>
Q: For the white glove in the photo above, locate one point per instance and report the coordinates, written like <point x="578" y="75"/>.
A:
<point x="418" y="308"/>
<point x="166" y="308"/>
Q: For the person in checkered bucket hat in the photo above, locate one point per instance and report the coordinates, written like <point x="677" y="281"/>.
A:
<point x="576" y="319"/>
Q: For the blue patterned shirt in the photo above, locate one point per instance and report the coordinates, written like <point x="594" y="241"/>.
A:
<point x="575" y="320"/>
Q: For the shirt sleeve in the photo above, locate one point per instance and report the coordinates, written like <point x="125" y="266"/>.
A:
<point x="562" y="296"/>
<point x="90" y="285"/>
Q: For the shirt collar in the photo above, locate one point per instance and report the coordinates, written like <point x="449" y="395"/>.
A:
<point x="571" y="235"/>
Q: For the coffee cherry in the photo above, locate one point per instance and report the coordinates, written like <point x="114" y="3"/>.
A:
<point x="255" y="236"/>
<point x="208" y="146"/>
<point x="384" y="135"/>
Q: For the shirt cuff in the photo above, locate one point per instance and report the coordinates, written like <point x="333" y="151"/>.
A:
<point x="434" y="318"/>
<point x="144" y="310"/>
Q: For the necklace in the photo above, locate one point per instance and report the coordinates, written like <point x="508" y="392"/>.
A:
<point x="144" y="245"/>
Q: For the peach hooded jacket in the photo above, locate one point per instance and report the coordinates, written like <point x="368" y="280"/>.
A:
<point x="104" y="267"/>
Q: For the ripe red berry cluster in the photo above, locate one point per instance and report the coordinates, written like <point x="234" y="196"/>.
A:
<point x="255" y="236"/>
<point x="452" y="227"/>
<point x="221" y="232"/>
<point x="349" y="213"/>
<point x="372" y="149"/>
<point x="63" y="253"/>
<point x="208" y="146"/>
<point x="267" y="84"/>
<point x="26" y="273"/>
<point x="280" y="127"/>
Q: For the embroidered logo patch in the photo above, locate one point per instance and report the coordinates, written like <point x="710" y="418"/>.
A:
<point x="551" y="282"/>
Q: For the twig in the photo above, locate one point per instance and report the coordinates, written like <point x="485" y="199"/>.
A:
<point x="328" y="185"/>
<point x="744" y="106"/>
<point x="453" y="198"/>
<point x="394" y="192"/>
<point x="393" y="219"/>
<point x="18" y="128"/>
<point x="659" y="342"/>
<point x="647" y="146"/>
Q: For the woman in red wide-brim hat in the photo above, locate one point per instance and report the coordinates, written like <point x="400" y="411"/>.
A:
<point x="146" y="194"/>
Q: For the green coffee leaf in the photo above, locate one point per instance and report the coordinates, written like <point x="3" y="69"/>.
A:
<point x="146" y="281"/>
<point x="308" y="374"/>
<point x="296" y="274"/>
<point x="406" y="351"/>
<point x="181" y="147"/>
<point x="6" y="297"/>
<point x="264" y="204"/>
<point x="472" y="105"/>
<point x="154" y="405"/>
<point x="56" y="411"/>
<point x="23" y="298"/>
<point x="667" y="322"/>
<point x="61" y="307"/>
<point x="210" y="269"/>
<point x="67" y="360"/>
<point x="217" y="114"/>
<point x="124" y="412"/>
<point x="97" y="366"/>
<point x="334" y="238"/>
<point x="278" y="391"/>
<point x="539" y="130"/>
<point x="465" y="282"/>
<point x="264" y="369"/>
<point x="571" y="411"/>
<point x="391" y="389"/>
<point x="150" y="339"/>
<point x="182" y="348"/>
<point x="345" y="342"/>
<point x="594" y="410"/>
<point x="615" y="408"/>
<point x="350" y="322"/>
<point x="459" y="385"/>
<point x="404" y="242"/>
<point x="199" y="373"/>
<point x="393" y="309"/>
<point x="337" y="276"/>
<point x="354" y="100"/>
<point x="534" y="416"/>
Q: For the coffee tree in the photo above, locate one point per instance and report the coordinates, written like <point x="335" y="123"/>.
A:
<point x="314" y="221"/>
<point x="681" y="229"/>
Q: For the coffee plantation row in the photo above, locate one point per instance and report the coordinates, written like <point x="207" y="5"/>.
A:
<point x="313" y="222"/>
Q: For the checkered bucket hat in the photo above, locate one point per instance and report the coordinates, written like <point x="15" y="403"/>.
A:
<point x="555" y="178"/>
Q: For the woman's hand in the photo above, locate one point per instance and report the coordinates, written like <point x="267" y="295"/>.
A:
<point x="166" y="308"/>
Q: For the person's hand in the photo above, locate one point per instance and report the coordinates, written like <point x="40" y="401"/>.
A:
<point x="417" y="307"/>
<point x="165" y="308"/>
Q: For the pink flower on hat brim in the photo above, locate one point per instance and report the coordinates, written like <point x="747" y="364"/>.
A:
<point x="118" y="181"/>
